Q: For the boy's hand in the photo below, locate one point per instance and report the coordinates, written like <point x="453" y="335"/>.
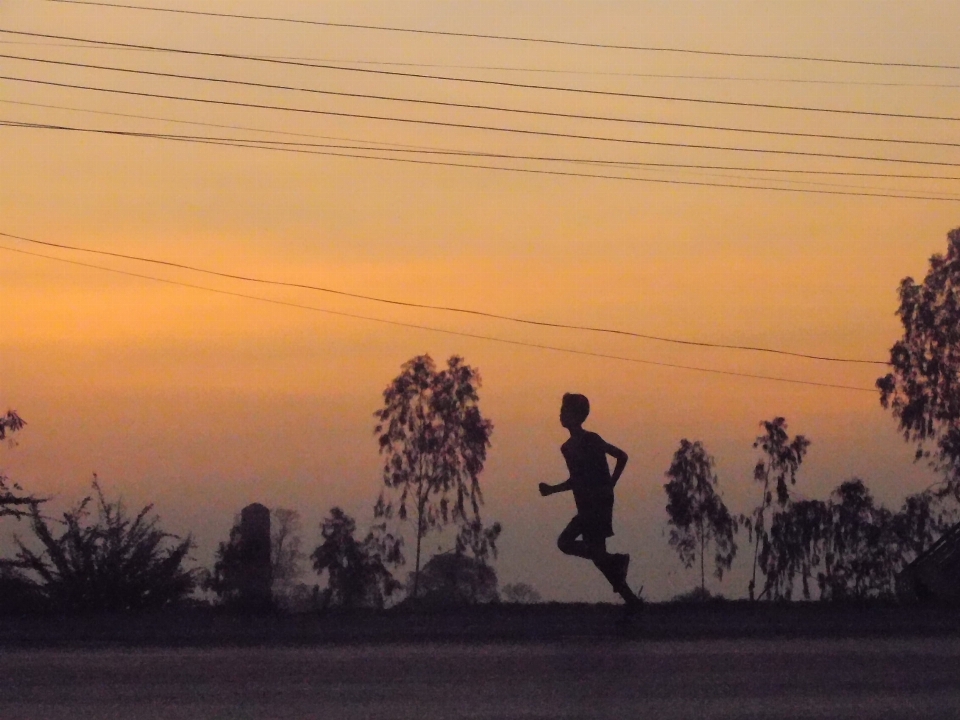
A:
<point x="544" y="489"/>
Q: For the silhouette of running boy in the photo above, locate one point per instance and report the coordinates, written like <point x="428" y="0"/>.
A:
<point x="592" y="486"/>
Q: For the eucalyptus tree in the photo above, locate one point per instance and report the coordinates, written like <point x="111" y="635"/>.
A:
<point x="795" y="547"/>
<point x="697" y="512"/>
<point x="861" y="548"/>
<point x="776" y="470"/>
<point x="434" y="440"/>
<point x="923" y="388"/>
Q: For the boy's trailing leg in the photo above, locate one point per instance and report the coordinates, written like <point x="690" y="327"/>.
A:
<point x="615" y="571"/>
<point x="614" y="566"/>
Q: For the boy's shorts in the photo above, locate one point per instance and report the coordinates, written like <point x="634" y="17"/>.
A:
<point x="595" y="527"/>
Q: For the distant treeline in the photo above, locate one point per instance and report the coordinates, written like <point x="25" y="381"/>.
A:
<point x="433" y="440"/>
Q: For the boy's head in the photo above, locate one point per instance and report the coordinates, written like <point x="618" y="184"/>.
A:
<point x="574" y="409"/>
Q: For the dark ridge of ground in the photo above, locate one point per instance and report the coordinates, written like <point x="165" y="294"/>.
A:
<point x="502" y="623"/>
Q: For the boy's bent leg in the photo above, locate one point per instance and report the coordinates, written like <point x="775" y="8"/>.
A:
<point x="568" y="543"/>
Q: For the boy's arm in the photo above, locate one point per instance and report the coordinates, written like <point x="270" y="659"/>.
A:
<point x="621" y="457"/>
<point x="551" y="489"/>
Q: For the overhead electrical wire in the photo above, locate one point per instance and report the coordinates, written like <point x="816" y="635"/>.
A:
<point x="499" y="83"/>
<point x="262" y="144"/>
<point x="247" y="128"/>
<point x="441" y="308"/>
<point x="305" y="148"/>
<point x="472" y="126"/>
<point x="553" y="71"/>
<point x="250" y="144"/>
<point x="478" y="106"/>
<point x="512" y="38"/>
<point x="427" y="149"/>
<point x="458" y="333"/>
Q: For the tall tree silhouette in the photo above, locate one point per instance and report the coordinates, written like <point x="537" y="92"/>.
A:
<point x="861" y="550"/>
<point x="434" y="442"/>
<point x="795" y="546"/>
<point x="923" y="390"/>
<point x="776" y="467"/>
<point x="697" y="512"/>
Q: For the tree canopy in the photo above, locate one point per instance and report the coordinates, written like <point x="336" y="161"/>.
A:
<point x="434" y="442"/>
<point x="697" y="512"/>
<point x="13" y="501"/>
<point x="357" y="569"/>
<point x="923" y="388"/>
<point x="452" y="578"/>
<point x="777" y="465"/>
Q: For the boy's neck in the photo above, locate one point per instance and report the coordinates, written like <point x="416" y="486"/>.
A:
<point x="576" y="431"/>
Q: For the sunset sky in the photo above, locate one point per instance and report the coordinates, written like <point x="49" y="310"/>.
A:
<point x="203" y="402"/>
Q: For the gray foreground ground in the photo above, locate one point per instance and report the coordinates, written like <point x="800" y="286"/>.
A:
<point x="707" y="678"/>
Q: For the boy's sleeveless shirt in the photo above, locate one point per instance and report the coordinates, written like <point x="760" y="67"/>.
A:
<point x="589" y="473"/>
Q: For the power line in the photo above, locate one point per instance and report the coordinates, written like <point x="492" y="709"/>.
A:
<point x="426" y="149"/>
<point x="473" y="126"/>
<point x="448" y="332"/>
<point x="514" y="38"/>
<point x="278" y="145"/>
<point x="442" y="308"/>
<point x="477" y="106"/>
<point x="275" y="132"/>
<point x="249" y="144"/>
<point x="499" y="83"/>
<point x="554" y="71"/>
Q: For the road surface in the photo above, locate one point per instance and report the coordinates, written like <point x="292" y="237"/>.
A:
<point x="754" y="678"/>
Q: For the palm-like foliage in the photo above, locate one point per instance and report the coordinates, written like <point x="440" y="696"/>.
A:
<point x="104" y="560"/>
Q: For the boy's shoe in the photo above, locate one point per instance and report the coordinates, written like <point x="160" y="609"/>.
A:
<point x="633" y="605"/>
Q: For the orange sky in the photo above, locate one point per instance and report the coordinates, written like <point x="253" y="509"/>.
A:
<point x="203" y="402"/>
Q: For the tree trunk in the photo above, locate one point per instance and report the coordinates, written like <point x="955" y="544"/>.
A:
<point x="420" y="503"/>
<point x="756" y="531"/>
<point x="703" y="544"/>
